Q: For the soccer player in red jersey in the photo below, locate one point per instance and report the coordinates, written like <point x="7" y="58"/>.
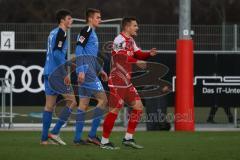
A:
<point x="124" y="53"/>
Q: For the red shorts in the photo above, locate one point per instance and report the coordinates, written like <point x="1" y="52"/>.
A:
<point x="120" y="96"/>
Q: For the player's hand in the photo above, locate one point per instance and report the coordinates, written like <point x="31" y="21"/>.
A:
<point x="141" y="64"/>
<point x="104" y="76"/>
<point x="81" y="77"/>
<point x="67" y="81"/>
<point x="153" y="52"/>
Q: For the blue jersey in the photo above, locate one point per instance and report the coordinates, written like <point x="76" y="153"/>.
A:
<point x="87" y="61"/>
<point x="87" y="54"/>
<point x="56" y="52"/>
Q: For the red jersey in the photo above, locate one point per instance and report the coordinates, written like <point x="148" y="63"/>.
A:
<point x="124" y="53"/>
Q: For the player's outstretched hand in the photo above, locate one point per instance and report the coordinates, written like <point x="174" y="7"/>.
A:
<point x="81" y="77"/>
<point x="67" y="81"/>
<point x="141" y="64"/>
<point x="104" y="76"/>
<point x="153" y="52"/>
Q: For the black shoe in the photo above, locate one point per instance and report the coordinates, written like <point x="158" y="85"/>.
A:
<point x="131" y="143"/>
<point x="109" y="146"/>
<point x="94" y="140"/>
<point x="81" y="142"/>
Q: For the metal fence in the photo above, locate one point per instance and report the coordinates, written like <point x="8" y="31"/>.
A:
<point x="163" y="37"/>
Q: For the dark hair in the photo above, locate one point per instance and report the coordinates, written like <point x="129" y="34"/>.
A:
<point x="90" y="12"/>
<point x="61" y="14"/>
<point x="127" y="20"/>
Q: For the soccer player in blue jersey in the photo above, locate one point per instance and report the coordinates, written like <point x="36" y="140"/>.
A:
<point x="56" y="80"/>
<point x="87" y="71"/>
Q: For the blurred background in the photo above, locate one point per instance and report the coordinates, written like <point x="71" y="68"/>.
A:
<point x="214" y="12"/>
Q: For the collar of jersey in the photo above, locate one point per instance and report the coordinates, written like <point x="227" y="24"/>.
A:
<point x="124" y="36"/>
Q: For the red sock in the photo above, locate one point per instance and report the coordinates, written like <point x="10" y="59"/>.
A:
<point x="108" y="124"/>
<point x="133" y="120"/>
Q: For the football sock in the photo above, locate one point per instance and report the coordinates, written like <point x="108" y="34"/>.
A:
<point x="133" y="120"/>
<point x="46" y="121"/>
<point x="80" y="117"/>
<point x="98" y="114"/>
<point x="108" y="124"/>
<point x="63" y="117"/>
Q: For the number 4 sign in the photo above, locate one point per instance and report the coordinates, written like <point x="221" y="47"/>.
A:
<point x="7" y="40"/>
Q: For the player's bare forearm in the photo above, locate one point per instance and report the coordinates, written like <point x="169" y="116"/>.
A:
<point x="140" y="55"/>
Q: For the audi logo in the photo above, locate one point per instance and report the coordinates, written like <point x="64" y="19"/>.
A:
<point x="26" y="77"/>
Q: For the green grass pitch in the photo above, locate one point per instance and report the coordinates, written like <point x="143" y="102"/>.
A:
<point x="158" y="146"/>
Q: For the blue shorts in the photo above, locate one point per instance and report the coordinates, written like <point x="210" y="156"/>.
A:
<point x="89" y="89"/>
<point x="55" y="86"/>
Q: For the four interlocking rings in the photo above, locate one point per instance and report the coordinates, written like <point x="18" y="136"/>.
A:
<point x="26" y="82"/>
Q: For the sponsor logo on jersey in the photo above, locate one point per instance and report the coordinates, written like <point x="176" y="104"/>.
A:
<point x="60" y="44"/>
<point x="81" y="39"/>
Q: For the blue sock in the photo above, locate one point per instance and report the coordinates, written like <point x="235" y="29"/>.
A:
<point x="63" y="117"/>
<point x="80" y="117"/>
<point x="98" y="114"/>
<point x="46" y="121"/>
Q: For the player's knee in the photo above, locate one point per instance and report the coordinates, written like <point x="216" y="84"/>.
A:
<point x="138" y="106"/>
<point x="83" y="107"/>
<point x="115" y="110"/>
<point x="72" y="104"/>
<point x="70" y="101"/>
<point x="50" y="103"/>
<point x="48" y="108"/>
<point x="103" y="102"/>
